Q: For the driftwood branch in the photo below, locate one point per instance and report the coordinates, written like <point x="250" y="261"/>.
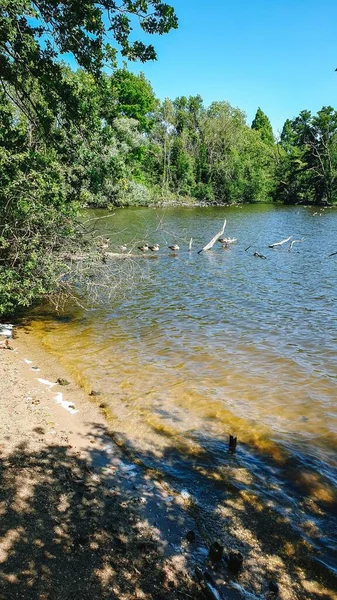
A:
<point x="128" y="255"/>
<point x="333" y="254"/>
<point x="295" y="242"/>
<point x="281" y="242"/>
<point x="259" y="255"/>
<point x="213" y="240"/>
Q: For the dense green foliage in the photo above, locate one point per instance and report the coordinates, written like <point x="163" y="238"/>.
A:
<point x="70" y="139"/>
<point x="209" y="153"/>
<point x="307" y="170"/>
<point x="65" y="138"/>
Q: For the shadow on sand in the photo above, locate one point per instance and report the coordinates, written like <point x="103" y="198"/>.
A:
<point x="84" y="529"/>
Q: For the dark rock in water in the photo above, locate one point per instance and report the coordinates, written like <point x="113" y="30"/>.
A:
<point x="273" y="587"/>
<point x="215" y="552"/>
<point x="235" y="561"/>
<point x="93" y="393"/>
<point x="62" y="381"/>
<point x="190" y="536"/>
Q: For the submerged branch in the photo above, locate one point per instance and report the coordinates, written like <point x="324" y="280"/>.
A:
<point x="295" y="242"/>
<point x="281" y="243"/>
<point x="213" y="240"/>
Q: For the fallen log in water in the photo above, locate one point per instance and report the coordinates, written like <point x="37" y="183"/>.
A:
<point x="213" y="240"/>
<point x="129" y="255"/>
<point x="281" y="242"/>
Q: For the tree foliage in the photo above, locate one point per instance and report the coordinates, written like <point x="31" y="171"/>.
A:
<point x="307" y="170"/>
<point x="33" y="33"/>
<point x="65" y="137"/>
<point x="262" y="124"/>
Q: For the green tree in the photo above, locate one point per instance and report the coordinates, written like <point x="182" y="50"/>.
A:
<point x="262" y="124"/>
<point x="308" y="169"/>
<point x="240" y="163"/>
<point x="129" y="95"/>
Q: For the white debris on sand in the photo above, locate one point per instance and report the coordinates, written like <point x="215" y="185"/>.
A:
<point x="46" y="382"/>
<point x="66" y="405"/>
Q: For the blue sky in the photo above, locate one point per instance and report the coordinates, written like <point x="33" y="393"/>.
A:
<point x="280" y="55"/>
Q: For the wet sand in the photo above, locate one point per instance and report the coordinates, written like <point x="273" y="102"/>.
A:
<point x="79" y="520"/>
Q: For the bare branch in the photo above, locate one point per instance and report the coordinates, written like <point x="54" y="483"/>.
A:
<point x="295" y="242"/>
<point x="281" y="243"/>
<point x="213" y="240"/>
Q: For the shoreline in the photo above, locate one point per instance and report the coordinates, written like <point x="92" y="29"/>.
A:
<point x="58" y="429"/>
<point x="66" y="424"/>
<point x="191" y="203"/>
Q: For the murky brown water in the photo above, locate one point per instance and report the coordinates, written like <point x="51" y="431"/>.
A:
<point x="223" y="342"/>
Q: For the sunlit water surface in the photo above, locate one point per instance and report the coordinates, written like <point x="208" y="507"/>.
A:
<point x="196" y="347"/>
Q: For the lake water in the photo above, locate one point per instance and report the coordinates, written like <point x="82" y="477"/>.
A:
<point x="196" y="347"/>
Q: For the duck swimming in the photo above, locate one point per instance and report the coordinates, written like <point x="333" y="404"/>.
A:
<point x="143" y="248"/>
<point x="154" y="248"/>
<point x="226" y="240"/>
<point x="174" y="247"/>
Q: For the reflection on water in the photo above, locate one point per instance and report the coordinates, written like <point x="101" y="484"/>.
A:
<point x="218" y="343"/>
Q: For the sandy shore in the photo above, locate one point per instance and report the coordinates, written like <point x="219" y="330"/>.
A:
<point x="79" y="521"/>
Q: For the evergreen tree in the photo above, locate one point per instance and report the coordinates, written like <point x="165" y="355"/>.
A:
<point x="262" y="124"/>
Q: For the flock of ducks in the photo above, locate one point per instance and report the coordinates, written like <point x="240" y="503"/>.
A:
<point x="156" y="247"/>
<point x="225" y="242"/>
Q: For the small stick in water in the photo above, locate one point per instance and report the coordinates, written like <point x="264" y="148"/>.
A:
<point x="281" y="242"/>
<point x="232" y="443"/>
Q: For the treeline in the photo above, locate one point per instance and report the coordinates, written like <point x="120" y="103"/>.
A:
<point x="126" y="148"/>
<point x="144" y="151"/>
